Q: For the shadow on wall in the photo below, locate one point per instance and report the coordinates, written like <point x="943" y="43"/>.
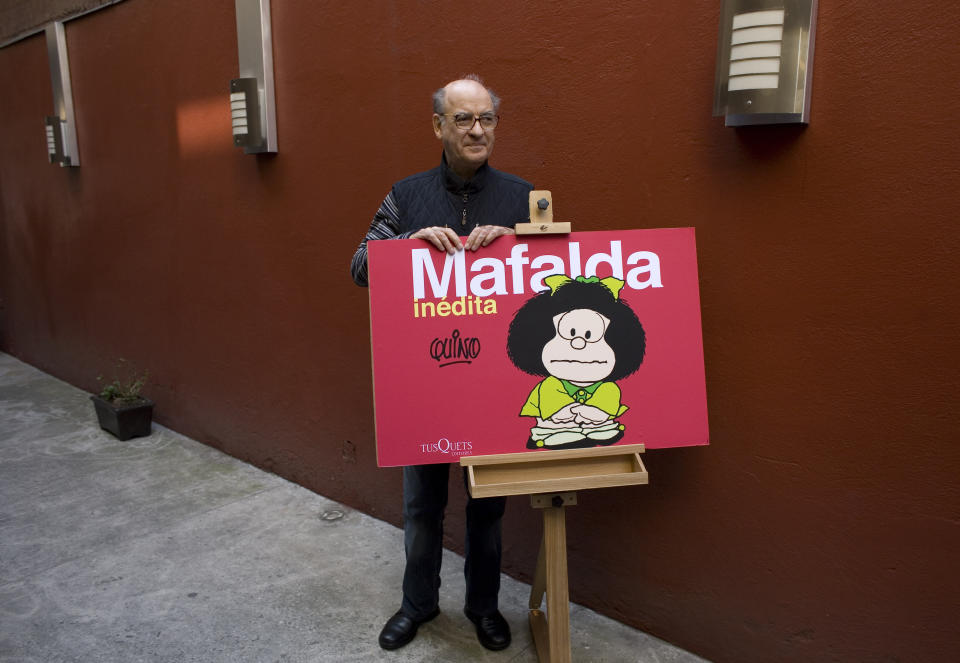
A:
<point x="766" y="141"/>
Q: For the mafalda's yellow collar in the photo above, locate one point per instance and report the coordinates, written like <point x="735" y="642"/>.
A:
<point x="557" y="281"/>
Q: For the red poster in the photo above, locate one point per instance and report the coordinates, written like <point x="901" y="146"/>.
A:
<point x="536" y="344"/>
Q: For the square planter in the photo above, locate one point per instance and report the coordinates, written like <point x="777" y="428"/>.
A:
<point x="124" y="421"/>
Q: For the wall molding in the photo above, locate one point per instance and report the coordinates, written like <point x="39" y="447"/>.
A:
<point x="20" y="19"/>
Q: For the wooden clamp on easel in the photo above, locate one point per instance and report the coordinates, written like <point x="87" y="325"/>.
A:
<point x="549" y="477"/>
<point x="541" y="217"/>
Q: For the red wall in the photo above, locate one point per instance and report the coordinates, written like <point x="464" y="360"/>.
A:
<point x="823" y="522"/>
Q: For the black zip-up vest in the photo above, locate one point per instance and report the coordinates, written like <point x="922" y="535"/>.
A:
<point x="440" y="197"/>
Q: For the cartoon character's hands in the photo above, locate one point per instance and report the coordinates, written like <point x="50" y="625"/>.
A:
<point x="443" y="239"/>
<point x="588" y="414"/>
<point x="483" y="235"/>
<point x="565" y="414"/>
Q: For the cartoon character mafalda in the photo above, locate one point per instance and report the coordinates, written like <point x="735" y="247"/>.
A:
<point x="582" y="337"/>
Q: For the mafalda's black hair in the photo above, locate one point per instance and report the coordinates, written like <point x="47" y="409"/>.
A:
<point x="532" y="327"/>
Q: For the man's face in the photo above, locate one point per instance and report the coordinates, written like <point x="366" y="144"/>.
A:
<point x="466" y="149"/>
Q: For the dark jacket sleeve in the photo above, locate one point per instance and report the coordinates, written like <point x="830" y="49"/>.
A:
<point x="385" y="225"/>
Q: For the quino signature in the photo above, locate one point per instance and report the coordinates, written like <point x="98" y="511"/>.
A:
<point x="454" y="349"/>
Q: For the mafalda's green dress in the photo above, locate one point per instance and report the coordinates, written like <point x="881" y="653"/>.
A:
<point x="553" y="394"/>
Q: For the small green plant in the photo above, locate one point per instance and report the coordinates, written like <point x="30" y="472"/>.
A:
<point x="126" y="385"/>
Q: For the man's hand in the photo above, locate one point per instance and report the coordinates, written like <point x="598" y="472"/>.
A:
<point x="483" y="235"/>
<point x="444" y="239"/>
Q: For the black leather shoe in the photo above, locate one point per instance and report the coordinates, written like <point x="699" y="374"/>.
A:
<point x="493" y="631"/>
<point x="401" y="629"/>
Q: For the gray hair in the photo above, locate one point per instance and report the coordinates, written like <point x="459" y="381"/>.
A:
<point x="440" y="96"/>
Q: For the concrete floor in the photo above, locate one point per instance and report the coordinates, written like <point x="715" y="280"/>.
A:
<point x="163" y="549"/>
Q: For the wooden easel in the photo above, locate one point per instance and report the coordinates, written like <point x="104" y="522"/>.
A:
<point x="550" y="477"/>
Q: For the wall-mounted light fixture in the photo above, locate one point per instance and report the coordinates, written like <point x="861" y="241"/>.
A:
<point x="252" y="107"/>
<point x="61" y="127"/>
<point x="765" y="61"/>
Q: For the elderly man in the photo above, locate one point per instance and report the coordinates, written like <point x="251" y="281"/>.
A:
<point x="463" y="196"/>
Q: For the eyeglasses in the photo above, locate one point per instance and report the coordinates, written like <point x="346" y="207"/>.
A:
<point x="466" y="121"/>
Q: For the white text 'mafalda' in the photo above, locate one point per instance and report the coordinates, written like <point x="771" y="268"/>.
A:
<point x="489" y="276"/>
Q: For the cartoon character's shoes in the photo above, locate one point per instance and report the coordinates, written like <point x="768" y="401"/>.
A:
<point x="606" y="441"/>
<point x="575" y="439"/>
<point x="579" y="442"/>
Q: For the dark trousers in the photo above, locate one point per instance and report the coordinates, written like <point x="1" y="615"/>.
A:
<point x="424" y="501"/>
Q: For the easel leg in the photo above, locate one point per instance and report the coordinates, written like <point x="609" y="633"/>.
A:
<point x="538" y="620"/>
<point x="539" y="586"/>
<point x="558" y="596"/>
<point x="551" y="633"/>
